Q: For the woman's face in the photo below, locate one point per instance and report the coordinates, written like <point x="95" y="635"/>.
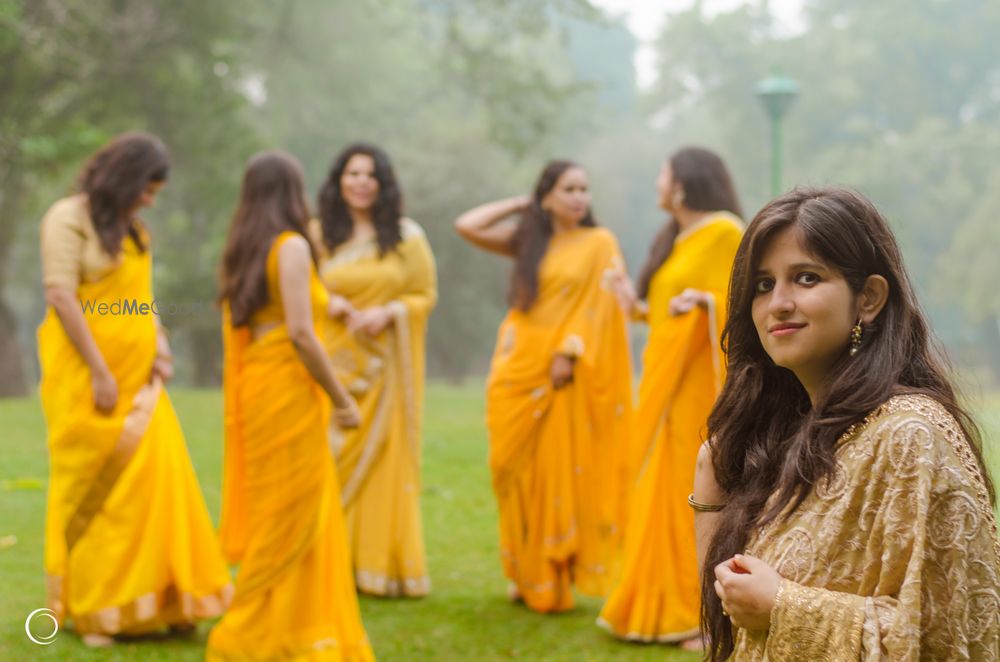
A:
<point x="664" y="187"/>
<point x="569" y="199"/>
<point x="358" y="185"/>
<point x="148" y="195"/>
<point x="803" y="309"/>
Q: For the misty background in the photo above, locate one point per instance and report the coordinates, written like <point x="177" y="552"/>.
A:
<point x="899" y="99"/>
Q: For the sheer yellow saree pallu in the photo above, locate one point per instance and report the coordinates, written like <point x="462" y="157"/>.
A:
<point x="129" y="545"/>
<point x="378" y="463"/>
<point x="557" y="456"/>
<point x="281" y="517"/>
<point x="657" y="597"/>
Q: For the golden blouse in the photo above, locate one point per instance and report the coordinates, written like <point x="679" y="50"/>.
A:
<point x="71" y="249"/>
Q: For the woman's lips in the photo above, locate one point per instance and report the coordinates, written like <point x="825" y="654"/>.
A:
<point x="785" y="329"/>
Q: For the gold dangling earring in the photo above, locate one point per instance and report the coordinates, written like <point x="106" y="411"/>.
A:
<point x="856" y="338"/>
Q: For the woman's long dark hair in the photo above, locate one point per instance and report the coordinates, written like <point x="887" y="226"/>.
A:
<point x="386" y="211"/>
<point x="531" y="239"/>
<point x="115" y="178"/>
<point x="707" y="186"/>
<point x="272" y="201"/>
<point x="766" y="436"/>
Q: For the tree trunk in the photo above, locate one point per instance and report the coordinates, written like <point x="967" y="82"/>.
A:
<point x="13" y="382"/>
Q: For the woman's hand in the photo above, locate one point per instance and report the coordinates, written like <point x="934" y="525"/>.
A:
<point x="163" y="364"/>
<point x="485" y="226"/>
<point x="522" y="202"/>
<point x="105" y="390"/>
<point x="562" y="370"/>
<point x="163" y="367"/>
<point x="339" y="307"/>
<point x="347" y="416"/>
<point x="624" y="291"/>
<point x="687" y="300"/>
<point x="370" y="320"/>
<point x="747" y="587"/>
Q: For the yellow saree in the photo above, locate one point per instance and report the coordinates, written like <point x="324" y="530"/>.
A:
<point x="379" y="462"/>
<point x="657" y="597"/>
<point x="281" y="516"/>
<point x="894" y="557"/>
<point x="557" y="456"/>
<point x="129" y="545"/>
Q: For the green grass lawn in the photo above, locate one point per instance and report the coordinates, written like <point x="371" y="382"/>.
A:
<point x="467" y="617"/>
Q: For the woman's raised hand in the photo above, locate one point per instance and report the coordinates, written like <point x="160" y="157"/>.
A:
<point x="687" y="300"/>
<point x="370" y="320"/>
<point x="339" y="307"/>
<point x="748" y="588"/>
<point x="624" y="291"/>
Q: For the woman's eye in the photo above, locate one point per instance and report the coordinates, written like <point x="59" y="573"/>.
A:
<point x="763" y="285"/>
<point x="807" y="278"/>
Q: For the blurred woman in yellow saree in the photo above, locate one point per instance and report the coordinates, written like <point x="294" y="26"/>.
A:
<point x="379" y="269"/>
<point x="281" y="516"/>
<point x="129" y="546"/>
<point x="559" y="391"/>
<point x="682" y="295"/>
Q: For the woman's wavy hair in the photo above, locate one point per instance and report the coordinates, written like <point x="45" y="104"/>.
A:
<point x="766" y="436"/>
<point x="707" y="186"/>
<point x="272" y="201"/>
<point x="387" y="210"/>
<point x="531" y="239"/>
<point x="113" y="181"/>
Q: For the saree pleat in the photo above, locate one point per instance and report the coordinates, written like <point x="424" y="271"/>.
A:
<point x="281" y="520"/>
<point x="129" y="544"/>
<point x="657" y="595"/>
<point x="558" y="456"/>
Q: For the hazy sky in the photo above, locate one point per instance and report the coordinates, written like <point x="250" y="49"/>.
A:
<point x="645" y="17"/>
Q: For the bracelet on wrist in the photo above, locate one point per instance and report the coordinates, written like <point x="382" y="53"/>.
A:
<point x="700" y="507"/>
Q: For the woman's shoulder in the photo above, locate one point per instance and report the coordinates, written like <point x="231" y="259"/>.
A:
<point x="908" y="415"/>
<point x="725" y="227"/>
<point x="68" y="211"/>
<point x="915" y="407"/>
<point x="913" y="428"/>
<point x="314" y="231"/>
<point x="290" y="241"/>
<point x="601" y="236"/>
<point x="410" y="229"/>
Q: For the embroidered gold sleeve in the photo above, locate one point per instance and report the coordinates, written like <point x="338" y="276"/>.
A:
<point x="934" y="586"/>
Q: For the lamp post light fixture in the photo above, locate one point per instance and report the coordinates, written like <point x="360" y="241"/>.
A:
<point x="776" y="93"/>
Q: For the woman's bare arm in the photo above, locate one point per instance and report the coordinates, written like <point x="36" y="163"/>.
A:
<point x="706" y="490"/>
<point x="486" y="226"/>
<point x="293" y="278"/>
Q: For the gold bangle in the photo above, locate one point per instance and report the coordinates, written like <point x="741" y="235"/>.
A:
<point x="700" y="507"/>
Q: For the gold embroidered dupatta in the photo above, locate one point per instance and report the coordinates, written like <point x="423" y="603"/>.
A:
<point x="894" y="557"/>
